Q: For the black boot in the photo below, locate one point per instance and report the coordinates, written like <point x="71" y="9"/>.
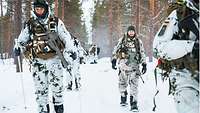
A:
<point x="59" y="108"/>
<point x="48" y="108"/>
<point x="133" y="104"/>
<point x="77" y="84"/>
<point x="69" y="86"/>
<point x="123" y="99"/>
<point x="95" y="62"/>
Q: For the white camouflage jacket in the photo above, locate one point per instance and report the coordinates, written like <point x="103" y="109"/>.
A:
<point x="63" y="34"/>
<point x="163" y="45"/>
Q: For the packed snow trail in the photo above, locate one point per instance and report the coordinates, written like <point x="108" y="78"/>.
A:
<point x="98" y="94"/>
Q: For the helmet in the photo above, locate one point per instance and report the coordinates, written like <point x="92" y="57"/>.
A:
<point x="191" y="4"/>
<point x="43" y="4"/>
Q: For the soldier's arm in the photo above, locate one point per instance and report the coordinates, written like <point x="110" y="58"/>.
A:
<point x="142" y="52"/>
<point x="65" y="36"/>
<point x="23" y="38"/>
<point x="173" y="49"/>
<point x="116" y="48"/>
<point x="167" y="48"/>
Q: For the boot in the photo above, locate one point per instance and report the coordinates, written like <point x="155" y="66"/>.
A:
<point x="59" y="108"/>
<point x="77" y="84"/>
<point x="95" y="62"/>
<point x="48" y="108"/>
<point x="133" y="104"/>
<point x="69" y="87"/>
<point x="123" y="99"/>
<point x="53" y="98"/>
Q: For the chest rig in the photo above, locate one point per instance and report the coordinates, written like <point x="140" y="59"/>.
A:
<point x="130" y="49"/>
<point x="38" y="46"/>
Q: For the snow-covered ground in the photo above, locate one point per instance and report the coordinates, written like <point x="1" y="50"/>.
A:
<point x="99" y="92"/>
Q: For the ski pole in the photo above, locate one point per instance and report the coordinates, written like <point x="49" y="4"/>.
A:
<point x="141" y="79"/>
<point x="20" y="70"/>
<point x="21" y="79"/>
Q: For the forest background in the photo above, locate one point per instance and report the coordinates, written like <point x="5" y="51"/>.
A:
<point x="110" y="20"/>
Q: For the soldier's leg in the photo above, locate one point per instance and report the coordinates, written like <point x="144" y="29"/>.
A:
<point x="56" y="81"/>
<point x="40" y="77"/>
<point x="133" y="81"/>
<point x="95" y="58"/>
<point x="123" y="83"/>
<point x="69" y="79"/>
<point x="77" y="76"/>
<point x="187" y="100"/>
<point x="186" y="91"/>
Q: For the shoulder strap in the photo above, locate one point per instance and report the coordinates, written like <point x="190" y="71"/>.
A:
<point x="53" y="23"/>
<point x="137" y="45"/>
<point x="123" y="41"/>
<point x="54" y="18"/>
<point x="29" y="24"/>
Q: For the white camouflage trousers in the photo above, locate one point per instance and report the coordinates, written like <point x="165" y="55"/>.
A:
<point x="186" y="91"/>
<point x="75" y="71"/>
<point x="48" y="74"/>
<point x="129" y="78"/>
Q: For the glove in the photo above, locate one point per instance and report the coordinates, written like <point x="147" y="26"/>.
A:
<point x="114" y="61"/>
<point x="144" y="68"/>
<point x="73" y="55"/>
<point x="81" y="60"/>
<point x="17" y="51"/>
<point x="195" y="50"/>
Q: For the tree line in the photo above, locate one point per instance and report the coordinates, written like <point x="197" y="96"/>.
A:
<point x="14" y="13"/>
<point x="110" y="20"/>
<point x="112" y="17"/>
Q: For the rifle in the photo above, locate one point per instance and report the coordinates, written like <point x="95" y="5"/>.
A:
<point x="52" y="37"/>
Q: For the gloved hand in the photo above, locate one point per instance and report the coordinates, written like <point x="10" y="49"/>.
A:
<point x="81" y="60"/>
<point x="144" y="68"/>
<point x="17" y="51"/>
<point x="73" y="55"/>
<point x="114" y="61"/>
<point x="195" y="50"/>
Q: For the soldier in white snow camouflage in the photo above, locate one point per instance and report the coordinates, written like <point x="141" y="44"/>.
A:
<point x="129" y="54"/>
<point x="42" y="38"/>
<point x="176" y="45"/>
<point x="76" y="66"/>
<point x="93" y="54"/>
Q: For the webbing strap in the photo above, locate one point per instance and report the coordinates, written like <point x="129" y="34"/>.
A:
<point x="154" y="98"/>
